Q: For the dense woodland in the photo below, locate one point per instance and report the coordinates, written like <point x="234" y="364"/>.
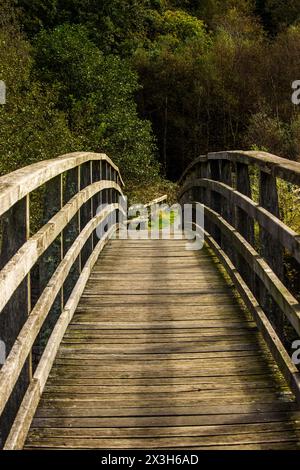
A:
<point x="153" y="83"/>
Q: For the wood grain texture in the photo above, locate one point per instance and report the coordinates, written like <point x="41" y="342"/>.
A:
<point x="154" y="359"/>
<point x="25" y="340"/>
<point x="272" y="164"/>
<point x="16" y="185"/>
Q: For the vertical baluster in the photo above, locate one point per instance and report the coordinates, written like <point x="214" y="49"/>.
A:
<point x="105" y="192"/>
<point x="71" y="232"/>
<point x="244" y="223"/>
<point x="53" y="201"/>
<point x="202" y="174"/>
<point x="197" y="189"/>
<point x="206" y="174"/>
<point x="104" y="176"/>
<point x="110" y="195"/>
<point x="109" y="177"/>
<point x="270" y="249"/>
<point x="116" y="195"/>
<point x="86" y="212"/>
<point x="226" y="206"/>
<point x="226" y="178"/>
<point x="96" y="176"/>
<point x="215" y="197"/>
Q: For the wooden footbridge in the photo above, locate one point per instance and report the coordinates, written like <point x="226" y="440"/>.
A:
<point x="142" y="343"/>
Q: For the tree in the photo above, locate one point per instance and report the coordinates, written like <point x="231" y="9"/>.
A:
<point x="278" y="14"/>
<point x="97" y="94"/>
<point x="31" y="128"/>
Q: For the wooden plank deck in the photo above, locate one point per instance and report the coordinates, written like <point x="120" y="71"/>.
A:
<point x="162" y="354"/>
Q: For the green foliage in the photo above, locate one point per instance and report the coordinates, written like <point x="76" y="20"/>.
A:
<point x="31" y="126"/>
<point x="204" y="96"/>
<point x="204" y="74"/>
<point x="281" y="13"/>
<point x="177" y="23"/>
<point x="97" y="94"/>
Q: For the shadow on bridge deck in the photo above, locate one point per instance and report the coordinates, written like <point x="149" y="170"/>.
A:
<point x="161" y="354"/>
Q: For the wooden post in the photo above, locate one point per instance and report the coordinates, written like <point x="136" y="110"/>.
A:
<point x="53" y="201"/>
<point x="110" y="191"/>
<point x="105" y="193"/>
<point x="227" y="211"/>
<point x="72" y="230"/>
<point x="271" y="249"/>
<point x="197" y="192"/>
<point x="206" y="173"/>
<point x="14" y="234"/>
<point x="226" y="178"/>
<point x="244" y="223"/>
<point x="86" y="212"/>
<point x="116" y="194"/>
<point x="96" y="176"/>
<point x="104" y="177"/>
<point x="215" y="198"/>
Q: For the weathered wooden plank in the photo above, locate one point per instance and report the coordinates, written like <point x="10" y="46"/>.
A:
<point x="163" y="432"/>
<point x="169" y="410"/>
<point x="287" y="237"/>
<point x="277" y="166"/>
<point x="29" y="404"/>
<point x="283" y="298"/>
<point x="18" y="184"/>
<point x="22" y="347"/>
<point x="163" y="421"/>
<point x="172" y="368"/>
<point x="167" y="442"/>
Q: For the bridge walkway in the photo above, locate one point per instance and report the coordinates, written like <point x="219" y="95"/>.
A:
<point x="161" y="353"/>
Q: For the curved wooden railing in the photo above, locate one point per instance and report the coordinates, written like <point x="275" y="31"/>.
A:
<point x="46" y="258"/>
<point x="58" y="256"/>
<point x="249" y="238"/>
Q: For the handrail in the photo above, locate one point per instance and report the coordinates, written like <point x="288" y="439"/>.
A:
<point x="20" y="428"/>
<point x="18" y="184"/>
<point x="22" y="262"/>
<point x="253" y="257"/>
<point x="158" y="200"/>
<point x="288" y="368"/>
<point x="286" y="301"/>
<point x="276" y="166"/>
<point x="75" y="186"/>
<point x="25" y="340"/>
<point x="288" y="238"/>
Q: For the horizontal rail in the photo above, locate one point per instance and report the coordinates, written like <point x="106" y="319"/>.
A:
<point x="275" y="227"/>
<point x="276" y="166"/>
<point x="288" y="304"/>
<point x="249" y="237"/>
<point x="21" y="349"/>
<point x="287" y="367"/>
<point x="20" y="428"/>
<point x="158" y="200"/>
<point x="39" y="271"/>
<point x="15" y="186"/>
<point x="22" y="262"/>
